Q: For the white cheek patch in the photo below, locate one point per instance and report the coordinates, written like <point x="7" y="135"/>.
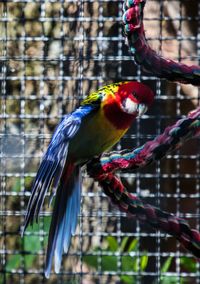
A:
<point x="130" y="106"/>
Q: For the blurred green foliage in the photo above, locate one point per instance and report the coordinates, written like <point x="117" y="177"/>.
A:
<point x="131" y="260"/>
<point x="134" y="262"/>
<point x="105" y="259"/>
<point x="31" y="244"/>
<point x="110" y="262"/>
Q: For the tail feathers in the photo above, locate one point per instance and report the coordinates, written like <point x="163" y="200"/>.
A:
<point x="76" y="209"/>
<point x="50" y="170"/>
<point x="64" y="219"/>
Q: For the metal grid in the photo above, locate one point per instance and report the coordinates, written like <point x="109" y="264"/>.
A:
<point x="52" y="54"/>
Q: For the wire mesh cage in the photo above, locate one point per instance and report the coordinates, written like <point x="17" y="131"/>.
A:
<point x="54" y="53"/>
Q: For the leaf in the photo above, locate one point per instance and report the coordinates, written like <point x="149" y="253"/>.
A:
<point x="112" y="243"/>
<point x="166" y="265"/>
<point x="189" y="264"/>
<point x="171" y="280"/>
<point x="33" y="228"/>
<point x="91" y="260"/>
<point x="124" y="243"/>
<point x="109" y="263"/>
<point x="128" y="279"/>
<point x="133" y="245"/>
<point x="32" y="243"/>
<point x="127" y="263"/>
<point x="47" y="221"/>
<point x="28" y="260"/>
<point x="136" y="264"/>
<point x="13" y="262"/>
<point x="143" y="262"/>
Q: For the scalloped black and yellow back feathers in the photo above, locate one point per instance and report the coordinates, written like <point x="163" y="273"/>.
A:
<point x="95" y="98"/>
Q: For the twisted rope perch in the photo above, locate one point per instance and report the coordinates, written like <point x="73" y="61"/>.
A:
<point x="148" y="58"/>
<point x="172" y="138"/>
<point x="131" y="204"/>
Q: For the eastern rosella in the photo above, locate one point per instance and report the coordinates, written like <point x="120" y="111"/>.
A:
<point x="101" y="120"/>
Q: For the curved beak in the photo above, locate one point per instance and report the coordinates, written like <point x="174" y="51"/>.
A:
<point x="142" y="108"/>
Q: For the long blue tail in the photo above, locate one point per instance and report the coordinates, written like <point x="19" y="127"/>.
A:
<point x="64" y="218"/>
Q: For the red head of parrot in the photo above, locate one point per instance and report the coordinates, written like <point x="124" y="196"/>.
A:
<point x="126" y="101"/>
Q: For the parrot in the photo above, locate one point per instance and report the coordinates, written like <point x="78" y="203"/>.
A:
<point x="93" y="128"/>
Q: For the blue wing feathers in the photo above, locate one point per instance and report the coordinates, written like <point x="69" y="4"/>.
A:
<point x="43" y="190"/>
<point x="53" y="162"/>
<point x="51" y="166"/>
<point x="50" y="175"/>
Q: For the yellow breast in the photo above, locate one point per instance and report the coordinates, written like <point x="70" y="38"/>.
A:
<point x="95" y="136"/>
